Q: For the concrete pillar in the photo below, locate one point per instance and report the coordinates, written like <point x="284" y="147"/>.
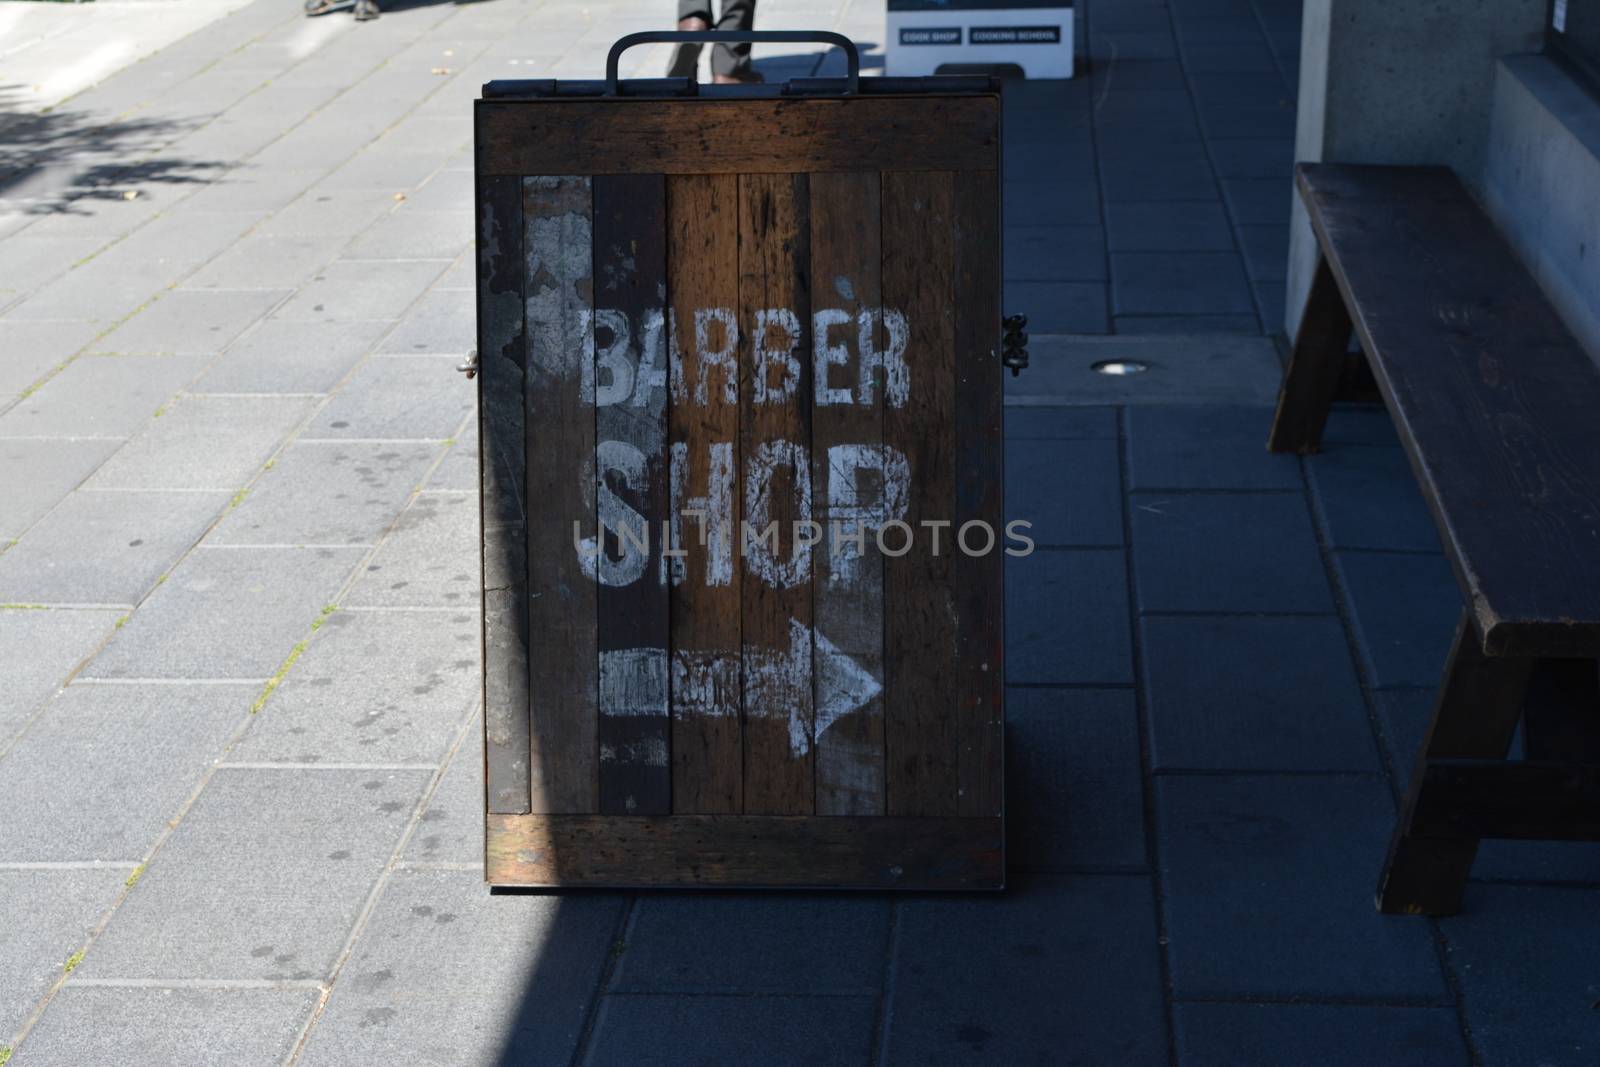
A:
<point x="1398" y="81"/>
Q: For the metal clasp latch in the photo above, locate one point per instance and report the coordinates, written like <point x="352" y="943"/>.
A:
<point x="469" y="366"/>
<point x="1014" y="346"/>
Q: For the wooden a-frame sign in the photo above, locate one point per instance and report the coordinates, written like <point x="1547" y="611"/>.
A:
<point x="700" y="318"/>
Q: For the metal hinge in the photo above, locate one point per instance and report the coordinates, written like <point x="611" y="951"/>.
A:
<point x="1014" y="346"/>
<point x="469" y="366"/>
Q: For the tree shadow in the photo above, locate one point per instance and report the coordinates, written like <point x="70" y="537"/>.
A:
<point x="52" y="160"/>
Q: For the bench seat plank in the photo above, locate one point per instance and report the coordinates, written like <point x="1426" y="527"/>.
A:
<point x="1495" y="402"/>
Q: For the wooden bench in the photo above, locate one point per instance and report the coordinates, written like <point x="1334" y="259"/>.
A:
<point x="1498" y="409"/>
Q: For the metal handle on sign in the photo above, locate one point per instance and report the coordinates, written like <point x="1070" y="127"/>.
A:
<point x="852" y="55"/>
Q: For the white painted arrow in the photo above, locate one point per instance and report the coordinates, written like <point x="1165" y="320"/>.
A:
<point x="707" y="683"/>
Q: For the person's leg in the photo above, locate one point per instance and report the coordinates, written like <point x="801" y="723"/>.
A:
<point x="731" y="63"/>
<point x="693" y="15"/>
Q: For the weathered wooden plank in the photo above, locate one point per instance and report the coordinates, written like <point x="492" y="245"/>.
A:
<point x="1492" y="397"/>
<point x="978" y="559"/>
<point x="501" y="358"/>
<point x="703" y="136"/>
<point x="920" y="650"/>
<point x="559" y="398"/>
<point x="849" y="494"/>
<point x="856" y="852"/>
<point x="775" y="443"/>
<point x="703" y="420"/>
<point x="630" y="382"/>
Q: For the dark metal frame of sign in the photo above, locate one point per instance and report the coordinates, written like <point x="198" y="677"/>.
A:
<point x="707" y="313"/>
<point x="1033" y="37"/>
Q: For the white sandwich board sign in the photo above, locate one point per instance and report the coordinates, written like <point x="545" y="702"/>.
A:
<point x="932" y="36"/>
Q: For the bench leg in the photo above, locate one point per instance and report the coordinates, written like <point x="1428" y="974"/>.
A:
<point x="1474" y="717"/>
<point x="1315" y="366"/>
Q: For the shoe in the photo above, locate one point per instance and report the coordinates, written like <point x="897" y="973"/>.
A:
<point x="747" y="76"/>
<point x="366" y="10"/>
<point x="320" y="7"/>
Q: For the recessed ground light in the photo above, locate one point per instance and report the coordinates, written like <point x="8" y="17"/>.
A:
<point x="1119" y="367"/>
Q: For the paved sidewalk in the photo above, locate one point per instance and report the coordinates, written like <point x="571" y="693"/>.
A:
<point x="239" y="753"/>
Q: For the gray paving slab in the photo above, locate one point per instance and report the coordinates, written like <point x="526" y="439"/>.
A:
<point x="1168" y="226"/>
<point x="1527" y="977"/>
<point x="1266" y="252"/>
<point x="323" y="212"/>
<point x="458" y="471"/>
<point x="372" y="687"/>
<point x="104" y="290"/>
<point x="1405" y="607"/>
<point x="99" y="773"/>
<point x="286" y="356"/>
<point x="634" y="1031"/>
<point x="33" y="261"/>
<point x="446" y="973"/>
<point x="1144" y="325"/>
<point x="62" y="907"/>
<point x="180" y="239"/>
<point x="191" y="320"/>
<point x="31" y="350"/>
<point x="1066" y="618"/>
<point x="1254" y="693"/>
<point x="263" y="879"/>
<point x="327" y="493"/>
<point x="1344" y="1035"/>
<point x="204" y="442"/>
<point x="1214" y="447"/>
<point x="1268" y="885"/>
<point x="1369" y="498"/>
<point x="1157" y="167"/>
<point x="1193" y="283"/>
<point x="1069" y="490"/>
<point x="1227" y="552"/>
<point x="1055" y="254"/>
<point x="1052" y="203"/>
<point x="37" y="474"/>
<point x="369" y="289"/>
<point x="755" y="944"/>
<point x="1157" y="44"/>
<point x="263" y="600"/>
<point x="1074" y="795"/>
<point x="266" y="262"/>
<point x="105" y="548"/>
<point x="194" y="1027"/>
<point x="249" y="187"/>
<point x="1059" y="307"/>
<point x="1184" y="369"/>
<point x="1060" y="424"/>
<point x="444" y="321"/>
<point x="429" y="559"/>
<point x="1267" y="117"/>
<point x="413" y="234"/>
<point x="1261" y="201"/>
<point x="101" y="396"/>
<point x="1054" y="964"/>
<point x="451" y="829"/>
<point x="1253" y="157"/>
<point x="384" y="168"/>
<point x="40" y="648"/>
<point x="420" y="397"/>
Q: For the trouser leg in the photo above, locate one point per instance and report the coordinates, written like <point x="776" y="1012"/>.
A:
<point x="686" y="57"/>
<point x="734" y="59"/>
